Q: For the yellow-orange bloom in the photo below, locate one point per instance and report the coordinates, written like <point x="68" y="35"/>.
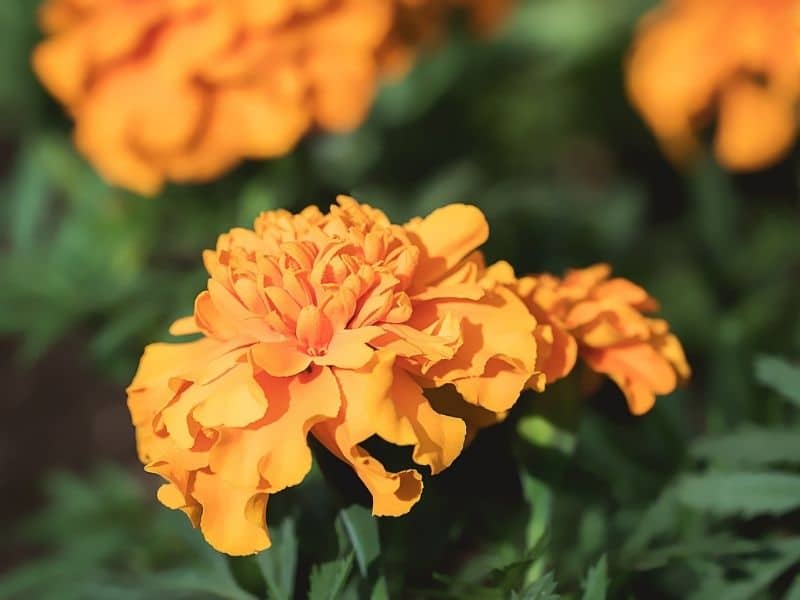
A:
<point x="182" y="90"/>
<point x="601" y="319"/>
<point x="333" y="324"/>
<point x="739" y="59"/>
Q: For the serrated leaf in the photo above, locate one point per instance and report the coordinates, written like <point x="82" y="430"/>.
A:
<point x="543" y="588"/>
<point x="745" y="494"/>
<point x="279" y="564"/>
<point x="361" y="530"/>
<point x="750" y="447"/>
<point x="328" y="579"/>
<point x="780" y="375"/>
<point x="596" y="584"/>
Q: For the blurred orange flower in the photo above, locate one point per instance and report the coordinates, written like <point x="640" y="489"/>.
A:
<point x="603" y="321"/>
<point x="334" y="324"/>
<point x="182" y="90"/>
<point x="736" y="58"/>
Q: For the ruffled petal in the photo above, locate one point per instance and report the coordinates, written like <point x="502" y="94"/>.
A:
<point x="233" y="519"/>
<point x="273" y="454"/>
<point x="438" y="439"/>
<point x="393" y="494"/>
<point x="445" y="237"/>
<point x="498" y="352"/>
<point x="638" y="369"/>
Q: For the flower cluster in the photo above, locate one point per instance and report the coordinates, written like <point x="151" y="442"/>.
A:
<point x="344" y="326"/>
<point x="602" y="320"/>
<point x="736" y="58"/>
<point x="335" y="325"/>
<point x="182" y="90"/>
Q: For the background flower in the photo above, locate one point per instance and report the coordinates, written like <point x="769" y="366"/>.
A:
<point x="603" y="320"/>
<point x="736" y="60"/>
<point x="333" y="324"/>
<point x="184" y="90"/>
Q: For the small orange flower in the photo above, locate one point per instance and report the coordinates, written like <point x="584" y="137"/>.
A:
<point x="603" y="321"/>
<point x="736" y="58"/>
<point x="183" y="90"/>
<point x="335" y="324"/>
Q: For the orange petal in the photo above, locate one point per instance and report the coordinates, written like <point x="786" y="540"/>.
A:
<point x="314" y="329"/>
<point x="393" y="494"/>
<point x="437" y="438"/>
<point x="348" y="349"/>
<point x="757" y="126"/>
<point x="275" y="449"/>
<point x="184" y="326"/>
<point x="280" y="359"/>
<point x="233" y="520"/>
<point x="366" y="391"/>
<point x="498" y="342"/>
<point x="445" y="237"/>
<point x="637" y="369"/>
<point x="233" y="400"/>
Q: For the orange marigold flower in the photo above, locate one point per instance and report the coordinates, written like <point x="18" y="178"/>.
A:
<point x="738" y="58"/>
<point x="184" y="89"/>
<point x="334" y="324"/>
<point x="601" y="319"/>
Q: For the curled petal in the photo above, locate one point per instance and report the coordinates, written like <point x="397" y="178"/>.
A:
<point x="233" y="519"/>
<point x="498" y="354"/>
<point x="393" y="494"/>
<point x="637" y="369"/>
<point x="274" y="453"/>
<point x="442" y="245"/>
<point x="438" y="439"/>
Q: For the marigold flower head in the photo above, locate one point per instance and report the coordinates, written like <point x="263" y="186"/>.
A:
<point x="331" y="324"/>
<point x="602" y="320"/>
<point x="739" y="59"/>
<point x="183" y="90"/>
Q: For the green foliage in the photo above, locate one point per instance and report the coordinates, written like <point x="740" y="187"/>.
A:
<point x="279" y="565"/>
<point x="780" y="375"/>
<point x="328" y="579"/>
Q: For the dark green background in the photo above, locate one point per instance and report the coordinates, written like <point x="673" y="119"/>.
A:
<point x="697" y="499"/>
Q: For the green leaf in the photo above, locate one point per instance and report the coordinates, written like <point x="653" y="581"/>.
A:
<point x="596" y="584"/>
<point x="381" y="590"/>
<point x="198" y="583"/>
<point x="279" y="564"/>
<point x="28" y="199"/>
<point x="750" y="447"/>
<point x="746" y="494"/>
<point x="753" y="575"/>
<point x="361" y="529"/>
<point x="794" y="590"/>
<point x="543" y="588"/>
<point x="780" y="375"/>
<point x="328" y="579"/>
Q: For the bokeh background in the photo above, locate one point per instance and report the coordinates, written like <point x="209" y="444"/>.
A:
<point x="534" y="127"/>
